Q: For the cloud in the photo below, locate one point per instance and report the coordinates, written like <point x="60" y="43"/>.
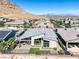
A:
<point x="57" y="12"/>
<point x="71" y="12"/>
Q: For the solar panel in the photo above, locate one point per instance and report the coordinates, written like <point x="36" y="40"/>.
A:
<point x="3" y="33"/>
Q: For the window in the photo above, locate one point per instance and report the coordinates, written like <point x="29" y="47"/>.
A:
<point x="46" y="43"/>
<point x="77" y="35"/>
<point x="26" y="40"/>
<point x="37" y="41"/>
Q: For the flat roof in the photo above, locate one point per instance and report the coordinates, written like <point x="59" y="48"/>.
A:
<point x="70" y="34"/>
<point x="48" y="33"/>
<point x="16" y="22"/>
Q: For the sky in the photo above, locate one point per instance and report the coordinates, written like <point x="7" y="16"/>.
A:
<point x="49" y="6"/>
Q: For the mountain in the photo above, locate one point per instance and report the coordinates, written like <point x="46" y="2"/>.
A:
<point x="62" y="16"/>
<point x="12" y="11"/>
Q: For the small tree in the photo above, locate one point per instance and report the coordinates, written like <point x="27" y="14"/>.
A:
<point x="1" y="23"/>
<point x="24" y="25"/>
<point x="27" y="25"/>
<point x="67" y="25"/>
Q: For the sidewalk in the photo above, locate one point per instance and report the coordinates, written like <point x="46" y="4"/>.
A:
<point x="20" y="56"/>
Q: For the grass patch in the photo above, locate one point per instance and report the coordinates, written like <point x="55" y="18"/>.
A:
<point x="37" y="51"/>
<point x="44" y="52"/>
<point x="10" y="41"/>
<point x="34" y="51"/>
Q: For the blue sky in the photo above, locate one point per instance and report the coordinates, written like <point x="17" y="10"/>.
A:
<point x="49" y="6"/>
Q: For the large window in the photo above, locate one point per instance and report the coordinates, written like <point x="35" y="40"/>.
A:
<point x="37" y="41"/>
<point x="45" y="43"/>
<point x="26" y="40"/>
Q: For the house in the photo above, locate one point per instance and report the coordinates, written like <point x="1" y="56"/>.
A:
<point x="6" y="34"/>
<point x="75" y="23"/>
<point x="17" y="23"/>
<point x="70" y="39"/>
<point x="39" y="37"/>
<point x="5" y="19"/>
<point x="42" y="23"/>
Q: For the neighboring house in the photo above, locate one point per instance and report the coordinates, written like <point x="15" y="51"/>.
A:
<point x="75" y="23"/>
<point x="70" y="39"/>
<point x="43" y="37"/>
<point x="17" y="23"/>
<point x="42" y="23"/>
<point x="5" y="19"/>
<point x="6" y="34"/>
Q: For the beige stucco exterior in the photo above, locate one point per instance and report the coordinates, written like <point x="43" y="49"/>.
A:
<point x="35" y="37"/>
<point x="14" y="25"/>
<point x="52" y="44"/>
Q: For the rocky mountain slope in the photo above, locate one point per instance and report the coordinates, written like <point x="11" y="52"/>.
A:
<point x="12" y="11"/>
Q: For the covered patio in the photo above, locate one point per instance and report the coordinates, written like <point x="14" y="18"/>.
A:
<point x="73" y="46"/>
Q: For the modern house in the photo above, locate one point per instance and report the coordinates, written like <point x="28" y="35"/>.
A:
<point x="70" y="39"/>
<point x="42" y="37"/>
<point x="6" y="34"/>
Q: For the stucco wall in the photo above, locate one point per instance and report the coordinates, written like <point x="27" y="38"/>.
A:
<point x="53" y="44"/>
<point x="35" y="37"/>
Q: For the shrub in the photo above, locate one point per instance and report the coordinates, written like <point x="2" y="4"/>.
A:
<point x="61" y="52"/>
<point x="55" y="49"/>
<point x="14" y="46"/>
<point x="1" y="23"/>
<point x="67" y="25"/>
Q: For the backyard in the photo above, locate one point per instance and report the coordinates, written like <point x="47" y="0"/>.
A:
<point x="6" y="45"/>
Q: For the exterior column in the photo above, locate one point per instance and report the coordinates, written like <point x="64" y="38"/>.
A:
<point x="42" y="42"/>
<point x="32" y="41"/>
<point x="66" y="45"/>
